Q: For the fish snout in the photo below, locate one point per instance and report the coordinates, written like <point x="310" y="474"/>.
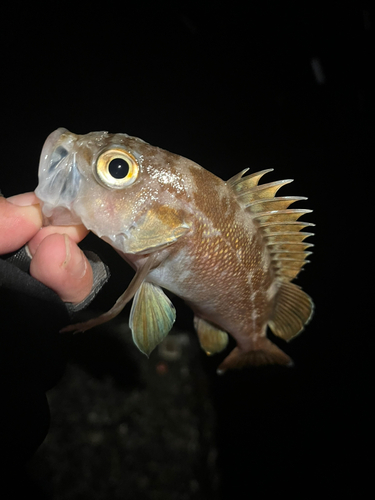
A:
<point x="59" y="177"/>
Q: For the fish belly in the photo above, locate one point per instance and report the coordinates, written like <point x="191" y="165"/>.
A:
<point x="231" y="296"/>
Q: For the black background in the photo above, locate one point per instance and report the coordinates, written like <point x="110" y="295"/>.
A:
<point x="233" y="87"/>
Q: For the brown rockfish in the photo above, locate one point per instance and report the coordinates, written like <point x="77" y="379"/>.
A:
<point x="228" y="248"/>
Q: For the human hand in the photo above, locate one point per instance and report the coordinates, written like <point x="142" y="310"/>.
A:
<point x="57" y="261"/>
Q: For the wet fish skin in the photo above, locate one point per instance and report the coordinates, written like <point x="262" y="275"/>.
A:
<point x="229" y="249"/>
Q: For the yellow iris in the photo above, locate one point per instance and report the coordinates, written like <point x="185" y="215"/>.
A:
<point x="116" y="168"/>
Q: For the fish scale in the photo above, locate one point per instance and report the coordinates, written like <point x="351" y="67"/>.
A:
<point x="212" y="268"/>
<point x="230" y="249"/>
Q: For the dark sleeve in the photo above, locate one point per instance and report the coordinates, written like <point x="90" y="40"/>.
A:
<point x="32" y="359"/>
<point x="33" y="355"/>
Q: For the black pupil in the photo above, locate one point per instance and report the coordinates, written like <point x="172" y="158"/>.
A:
<point x="118" y="168"/>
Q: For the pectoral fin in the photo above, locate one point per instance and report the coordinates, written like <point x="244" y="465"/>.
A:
<point x="211" y="339"/>
<point x="121" y="302"/>
<point x="155" y="230"/>
<point x="151" y="317"/>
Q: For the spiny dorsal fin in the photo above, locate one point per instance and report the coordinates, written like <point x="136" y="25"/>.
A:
<point x="242" y="184"/>
<point x="233" y="180"/>
<point x="288" y="246"/>
<point x="293" y="310"/>
<point x="272" y="204"/>
<point x="291" y="215"/>
<point x="262" y="192"/>
<point x="285" y="236"/>
<point x="278" y="223"/>
<point x="271" y="228"/>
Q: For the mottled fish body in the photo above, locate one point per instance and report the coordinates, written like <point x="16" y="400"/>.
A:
<point x="229" y="249"/>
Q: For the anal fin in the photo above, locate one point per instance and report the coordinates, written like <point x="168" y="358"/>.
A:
<point x="211" y="338"/>
<point x="264" y="352"/>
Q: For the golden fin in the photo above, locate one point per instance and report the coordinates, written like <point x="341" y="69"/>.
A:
<point x="211" y="338"/>
<point x="290" y="257"/>
<point x="155" y="230"/>
<point x="233" y="180"/>
<point x="272" y="228"/>
<point x="278" y="216"/>
<point x="262" y="192"/>
<point x="272" y="204"/>
<point x="278" y="223"/>
<point x="287" y="237"/>
<point x="285" y="243"/>
<point x="264" y="352"/>
<point x="293" y="310"/>
<point x="288" y="273"/>
<point x="287" y="246"/>
<point x="151" y="317"/>
<point x="241" y="185"/>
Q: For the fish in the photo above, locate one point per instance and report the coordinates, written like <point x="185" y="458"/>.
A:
<point x="230" y="249"/>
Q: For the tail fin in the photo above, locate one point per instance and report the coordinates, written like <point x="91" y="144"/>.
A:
<point x="264" y="352"/>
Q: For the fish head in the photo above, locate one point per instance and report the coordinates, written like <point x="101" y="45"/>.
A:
<point x="127" y="192"/>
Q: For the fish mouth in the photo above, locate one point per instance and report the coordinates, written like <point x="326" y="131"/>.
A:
<point x="59" y="178"/>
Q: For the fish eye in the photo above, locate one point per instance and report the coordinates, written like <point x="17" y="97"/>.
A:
<point x="116" y="168"/>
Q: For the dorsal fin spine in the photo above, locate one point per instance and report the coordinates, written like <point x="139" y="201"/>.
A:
<point x="241" y="184"/>
<point x="271" y="204"/>
<point x="236" y="178"/>
<point x="247" y="195"/>
<point x="278" y="223"/>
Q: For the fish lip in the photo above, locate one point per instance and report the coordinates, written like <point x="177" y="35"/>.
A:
<point x="50" y="144"/>
<point x="59" y="177"/>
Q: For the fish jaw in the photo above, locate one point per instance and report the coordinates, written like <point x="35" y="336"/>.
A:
<point x="59" y="179"/>
<point x="64" y="176"/>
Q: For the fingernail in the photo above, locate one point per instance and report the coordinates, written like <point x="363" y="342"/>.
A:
<point x="75" y="262"/>
<point x="23" y="200"/>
